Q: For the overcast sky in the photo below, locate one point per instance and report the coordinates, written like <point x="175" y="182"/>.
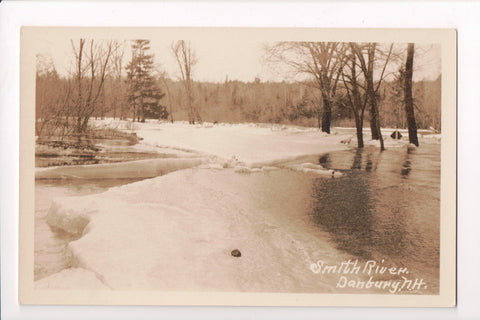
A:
<point x="238" y="59"/>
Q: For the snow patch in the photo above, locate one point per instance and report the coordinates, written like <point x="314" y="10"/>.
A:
<point x="389" y="142"/>
<point x="431" y="138"/>
<point x="248" y="144"/>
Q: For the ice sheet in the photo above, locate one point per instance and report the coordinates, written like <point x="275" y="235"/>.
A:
<point x="177" y="231"/>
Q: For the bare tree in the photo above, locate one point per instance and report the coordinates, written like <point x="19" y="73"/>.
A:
<point x="412" y="125"/>
<point x="91" y="67"/>
<point x="52" y="96"/>
<point x="366" y="54"/>
<point x="163" y="77"/>
<point x="322" y="60"/>
<point x="356" y="93"/>
<point x="186" y="59"/>
<point x="118" y="96"/>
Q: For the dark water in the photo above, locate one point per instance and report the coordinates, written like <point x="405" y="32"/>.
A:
<point x="386" y="206"/>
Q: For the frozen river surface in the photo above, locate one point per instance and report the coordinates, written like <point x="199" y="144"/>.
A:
<point x="162" y="233"/>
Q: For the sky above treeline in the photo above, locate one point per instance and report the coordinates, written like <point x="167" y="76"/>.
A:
<point x="231" y="59"/>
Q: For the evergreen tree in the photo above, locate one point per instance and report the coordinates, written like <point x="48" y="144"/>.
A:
<point x="144" y="94"/>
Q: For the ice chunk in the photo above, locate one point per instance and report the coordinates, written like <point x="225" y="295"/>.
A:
<point x="121" y="170"/>
<point x="316" y="169"/>
<point x="70" y="214"/>
<point x="270" y="168"/>
<point x="243" y="169"/>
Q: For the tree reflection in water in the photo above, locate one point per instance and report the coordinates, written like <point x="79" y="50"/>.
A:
<point x="343" y="206"/>
<point x="364" y="211"/>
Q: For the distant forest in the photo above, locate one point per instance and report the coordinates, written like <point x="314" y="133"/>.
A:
<point x="340" y="85"/>
<point x="297" y="103"/>
<point x="256" y="101"/>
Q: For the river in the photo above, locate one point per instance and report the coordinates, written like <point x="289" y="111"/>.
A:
<point x="385" y="207"/>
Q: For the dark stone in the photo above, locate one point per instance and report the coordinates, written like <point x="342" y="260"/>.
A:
<point x="236" y="253"/>
<point x="396" y="135"/>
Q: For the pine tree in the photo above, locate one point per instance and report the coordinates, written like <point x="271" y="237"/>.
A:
<point x="144" y="94"/>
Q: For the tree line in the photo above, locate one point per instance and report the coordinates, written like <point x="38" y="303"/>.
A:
<point x="344" y="83"/>
<point x="354" y="75"/>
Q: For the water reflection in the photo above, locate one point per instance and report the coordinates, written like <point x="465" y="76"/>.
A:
<point x="406" y="167"/>
<point x="357" y="159"/>
<point x="343" y="207"/>
<point x="369" y="166"/>
<point x="386" y="205"/>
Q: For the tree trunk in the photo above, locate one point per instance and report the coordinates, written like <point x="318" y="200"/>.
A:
<point x="114" y="108"/>
<point x="412" y="125"/>
<point x="376" y="126"/>
<point x="191" y="115"/>
<point x="359" y="125"/>
<point x="327" y="115"/>
<point x="170" y="108"/>
<point x="142" y="104"/>
<point x="197" y="115"/>
<point x="373" y="121"/>
<point x="374" y="112"/>
<point x="379" y="131"/>
<point x="374" y="115"/>
<point x="78" y="128"/>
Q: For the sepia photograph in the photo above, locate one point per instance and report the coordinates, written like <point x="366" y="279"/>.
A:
<point x="237" y="166"/>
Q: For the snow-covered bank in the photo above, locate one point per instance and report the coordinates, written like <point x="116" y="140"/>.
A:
<point x="256" y="145"/>
<point x="177" y="231"/>
<point x="251" y="145"/>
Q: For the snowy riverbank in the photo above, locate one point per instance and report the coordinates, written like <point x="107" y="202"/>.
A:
<point x="245" y="189"/>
